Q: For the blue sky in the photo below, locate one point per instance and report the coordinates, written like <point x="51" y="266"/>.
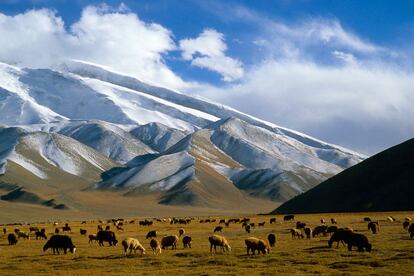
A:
<point x="381" y="22"/>
<point x="338" y="70"/>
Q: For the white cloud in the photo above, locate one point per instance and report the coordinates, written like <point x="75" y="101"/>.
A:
<point x="345" y="57"/>
<point x="363" y="102"/>
<point x="208" y="51"/>
<point x="364" y="108"/>
<point x="112" y="37"/>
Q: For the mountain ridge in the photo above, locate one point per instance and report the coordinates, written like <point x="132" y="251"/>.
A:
<point x="138" y="140"/>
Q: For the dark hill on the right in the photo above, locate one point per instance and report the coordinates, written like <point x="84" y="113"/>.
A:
<point x="383" y="182"/>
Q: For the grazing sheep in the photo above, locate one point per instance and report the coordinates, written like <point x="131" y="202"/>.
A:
<point x="218" y="229"/>
<point x="169" y="241"/>
<point x="83" y="232"/>
<point x="288" y="217"/>
<point x="83" y="222"/>
<point x="92" y="238"/>
<point x="147" y="222"/>
<point x="272" y="239"/>
<point x="323" y="221"/>
<point x="222" y="221"/>
<point x="260" y="224"/>
<point x="155" y="246"/>
<point x="132" y="244"/>
<point x="247" y="220"/>
<point x="33" y="229"/>
<point x="339" y="236"/>
<point x="253" y="225"/>
<point x="358" y="240"/>
<point x="107" y="236"/>
<point x="12" y="239"/>
<point x="300" y="225"/>
<point x="367" y="219"/>
<point x="406" y="224"/>
<point x="253" y="244"/>
<point x="332" y="229"/>
<point x="151" y="234"/>
<point x="187" y="241"/>
<point x="247" y="228"/>
<point x="321" y="229"/>
<point x="181" y="232"/>
<point x="391" y="219"/>
<point x="308" y="232"/>
<point x="66" y="228"/>
<point x="57" y="242"/>
<point x="272" y="220"/>
<point x="333" y="221"/>
<point x="40" y="235"/>
<point x="411" y="230"/>
<point x="221" y="241"/>
<point x="23" y="235"/>
<point x="373" y="226"/>
<point x="296" y="233"/>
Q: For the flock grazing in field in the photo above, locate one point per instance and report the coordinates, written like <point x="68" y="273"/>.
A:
<point x="344" y="235"/>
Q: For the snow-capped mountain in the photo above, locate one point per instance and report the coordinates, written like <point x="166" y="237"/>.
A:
<point x="240" y="153"/>
<point x="150" y="139"/>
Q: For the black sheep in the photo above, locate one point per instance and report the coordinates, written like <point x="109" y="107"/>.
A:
<point x="332" y="229"/>
<point x="358" y="240"/>
<point x="339" y="235"/>
<point x="151" y="234"/>
<point x="289" y="217"/>
<point x="373" y="226"/>
<point x="218" y="229"/>
<point x="107" y="236"/>
<point x="12" y="239"/>
<point x="411" y="230"/>
<point x="40" y="235"/>
<point x="272" y="239"/>
<point x="406" y="224"/>
<point x="57" y="242"/>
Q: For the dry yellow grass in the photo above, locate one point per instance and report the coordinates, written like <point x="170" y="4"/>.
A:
<point x="393" y="251"/>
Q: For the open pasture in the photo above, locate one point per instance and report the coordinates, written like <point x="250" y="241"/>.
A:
<point x="393" y="250"/>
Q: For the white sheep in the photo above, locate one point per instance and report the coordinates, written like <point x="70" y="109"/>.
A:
<point x="254" y="244"/>
<point x="217" y="240"/>
<point x="132" y="244"/>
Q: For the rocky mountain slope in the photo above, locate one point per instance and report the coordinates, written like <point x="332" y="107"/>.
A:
<point x="383" y="182"/>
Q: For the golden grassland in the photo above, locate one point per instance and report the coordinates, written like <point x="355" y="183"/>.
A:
<point x="393" y="251"/>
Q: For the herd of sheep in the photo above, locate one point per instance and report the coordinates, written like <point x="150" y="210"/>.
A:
<point x="344" y="235"/>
